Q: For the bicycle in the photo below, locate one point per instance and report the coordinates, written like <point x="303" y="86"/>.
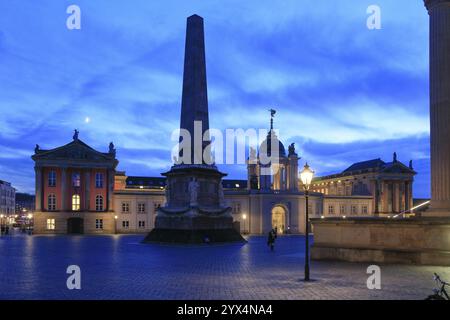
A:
<point x="439" y="293"/>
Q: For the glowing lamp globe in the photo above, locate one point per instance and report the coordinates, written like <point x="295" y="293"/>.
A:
<point x="306" y="176"/>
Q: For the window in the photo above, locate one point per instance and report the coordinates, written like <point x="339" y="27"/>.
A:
<point x="98" y="224"/>
<point x="50" y="224"/>
<point x="354" y="210"/>
<point x="75" y="202"/>
<point x="141" y="224"/>
<point x="99" y="203"/>
<point x="125" y="224"/>
<point x="52" y="179"/>
<point x="364" y="209"/>
<point x="76" y="179"/>
<point x="330" y="209"/>
<point x="141" y="207"/>
<point x="317" y="209"/>
<point x="236" y="208"/>
<point x="156" y="206"/>
<point x="125" y="207"/>
<point x="99" y="180"/>
<point x="51" y="202"/>
<point x="342" y="209"/>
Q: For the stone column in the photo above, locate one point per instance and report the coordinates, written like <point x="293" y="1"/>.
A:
<point x="439" y="12"/>
<point x="110" y="184"/>
<point x="293" y="173"/>
<point x="63" y="205"/>
<point x="38" y="188"/>
<point x="377" y="196"/>
<point x="87" y="191"/>
<point x="406" y="195"/>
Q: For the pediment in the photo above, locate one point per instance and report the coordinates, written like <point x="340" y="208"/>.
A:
<point x="75" y="150"/>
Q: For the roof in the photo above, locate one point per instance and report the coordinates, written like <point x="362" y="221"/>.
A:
<point x="374" y="165"/>
<point x="369" y="164"/>
<point x="160" y="183"/>
<point x="266" y="145"/>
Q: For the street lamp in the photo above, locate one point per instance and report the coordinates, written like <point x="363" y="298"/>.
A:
<point x="115" y="224"/>
<point x="306" y="177"/>
<point x="244" y="217"/>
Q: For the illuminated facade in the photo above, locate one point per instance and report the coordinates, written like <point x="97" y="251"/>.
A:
<point x="78" y="190"/>
<point x="7" y="198"/>
<point x="74" y="189"/>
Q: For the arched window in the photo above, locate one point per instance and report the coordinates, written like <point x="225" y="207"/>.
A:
<point x="51" y="202"/>
<point x="75" y="202"/>
<point x="99" y="203"/>
<point x="52" y="178"/>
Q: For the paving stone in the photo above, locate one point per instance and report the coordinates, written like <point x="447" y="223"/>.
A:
<point x="119" y="267"/>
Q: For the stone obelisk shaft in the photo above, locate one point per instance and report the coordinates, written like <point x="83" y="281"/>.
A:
<point x="439" y="11"/>
<point x="194" y="106"/>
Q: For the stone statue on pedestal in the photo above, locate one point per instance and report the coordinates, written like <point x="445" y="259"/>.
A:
<point x="221" y="196"/>
<point x="193" y="192"/>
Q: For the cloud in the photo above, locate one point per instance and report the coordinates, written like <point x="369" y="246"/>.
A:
<point x="336" y="85"/>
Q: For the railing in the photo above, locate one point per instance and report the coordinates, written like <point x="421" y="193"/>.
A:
<point x="402" y="214"/>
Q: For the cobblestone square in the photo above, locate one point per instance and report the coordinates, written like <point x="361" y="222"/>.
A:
<point x="120" y="267"/>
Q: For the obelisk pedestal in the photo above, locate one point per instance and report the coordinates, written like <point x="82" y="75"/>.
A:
<point x="439" y="12"/>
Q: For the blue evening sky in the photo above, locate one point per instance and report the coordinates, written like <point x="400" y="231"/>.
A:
<point x="343" y="93"/>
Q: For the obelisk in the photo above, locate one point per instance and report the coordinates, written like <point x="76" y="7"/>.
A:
<point x="195" y="211"/>
<point x="194" y="104"/>
<point x="439" y="12"/>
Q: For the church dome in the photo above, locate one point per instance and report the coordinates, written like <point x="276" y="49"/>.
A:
<point x="266" y="145"/>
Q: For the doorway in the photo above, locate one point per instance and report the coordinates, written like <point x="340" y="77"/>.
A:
<point x="75" y="226"/>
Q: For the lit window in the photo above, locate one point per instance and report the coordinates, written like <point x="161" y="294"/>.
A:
<point x="141" y="224"/>
<point x="75" y="202"/>
<point x="125" y="224"/>
<point x="52" y="179"/>
<point x="98" y="203"/>
<point x="51" y="202"/>
<point x="50" y="224"/>
<point x="98" y="223"/>
<point x="364" y="210"/>
<point x="99" y="180"/>
<point x="141" y="207"/>
<point x="76" y="179"/>
<point x="125" y="207"/>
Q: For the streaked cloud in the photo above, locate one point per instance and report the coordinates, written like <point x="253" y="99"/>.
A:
<point x="343" y="93"/>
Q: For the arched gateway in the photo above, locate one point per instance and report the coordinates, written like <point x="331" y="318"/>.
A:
<point x="279" y="219"/>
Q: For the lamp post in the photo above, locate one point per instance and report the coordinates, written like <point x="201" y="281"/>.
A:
<point x="115" y="224"/>
<point x="306" y="177"/>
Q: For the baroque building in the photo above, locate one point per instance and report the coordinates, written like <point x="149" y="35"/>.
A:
<point x="74" y="189"/>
